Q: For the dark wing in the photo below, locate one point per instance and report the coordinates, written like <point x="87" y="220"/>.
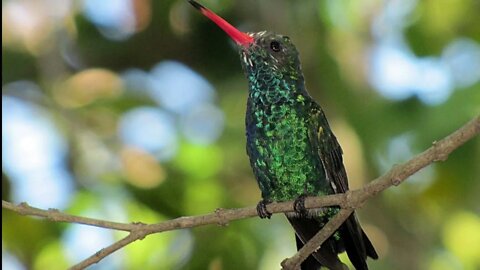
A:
<point x="357" y="244"/>
<point x="329" y="150"/>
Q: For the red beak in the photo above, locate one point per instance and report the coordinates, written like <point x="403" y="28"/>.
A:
<point x="239" y="37"/>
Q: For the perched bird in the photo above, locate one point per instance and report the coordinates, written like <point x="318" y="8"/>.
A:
<point x="291" y="147"/>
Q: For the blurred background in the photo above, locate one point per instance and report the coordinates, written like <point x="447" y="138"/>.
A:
<point x="133" y="110"/>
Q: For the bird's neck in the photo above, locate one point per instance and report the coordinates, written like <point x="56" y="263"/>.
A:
<point x="271" y="87"/>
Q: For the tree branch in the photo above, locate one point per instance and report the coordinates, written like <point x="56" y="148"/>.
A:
<point x="220" y="216"/>
<point x="349" y="201"/>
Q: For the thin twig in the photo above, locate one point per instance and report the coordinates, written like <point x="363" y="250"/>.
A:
<point x="98" y="256"/>
<point x="57" y="216"/>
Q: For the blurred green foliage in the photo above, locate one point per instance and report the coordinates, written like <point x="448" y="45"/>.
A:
<point x="430" y="222"/>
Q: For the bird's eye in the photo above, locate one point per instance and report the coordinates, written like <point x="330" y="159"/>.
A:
<point x="275" y="46"/>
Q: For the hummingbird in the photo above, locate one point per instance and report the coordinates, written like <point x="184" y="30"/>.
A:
<point x="292" y="149"/>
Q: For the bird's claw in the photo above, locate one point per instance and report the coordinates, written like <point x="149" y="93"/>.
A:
<point x="262" y="209"/>
<point x="299" y="205"/>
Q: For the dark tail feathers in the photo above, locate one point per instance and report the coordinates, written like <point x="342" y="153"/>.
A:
<point x="354" y="241"/>
<point x="357" y="244"/>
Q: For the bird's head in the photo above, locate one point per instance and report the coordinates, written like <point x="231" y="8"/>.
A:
<point x="262" y="53"/>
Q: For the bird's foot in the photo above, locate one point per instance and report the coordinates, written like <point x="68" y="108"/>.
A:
<point x="262" y="209"/>
<point x="299" y="206"/>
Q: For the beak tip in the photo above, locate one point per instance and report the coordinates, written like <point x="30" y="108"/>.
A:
<point x="240" y="38"/>
<point x="196" y="5"/>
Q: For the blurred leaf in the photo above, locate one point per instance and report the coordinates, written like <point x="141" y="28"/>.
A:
<point x="461" y="236"/>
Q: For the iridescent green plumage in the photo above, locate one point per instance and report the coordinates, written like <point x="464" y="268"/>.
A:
<point x="292" y="150"/>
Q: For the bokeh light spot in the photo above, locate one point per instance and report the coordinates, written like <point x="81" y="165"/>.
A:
<point x="88" y="86"/>
<point x="115" y="19"/>
<point x="150" y="129"/>
<point x="33" y="155"/>
<point x="462" y="56"/>
<point x="11" y="262"/>
<point x="178" y="88"/>
<point x="52" y="254"/>
<point x="25" y="24"/>
<point x="203" y="124"/>
<point x="397" y="74"/>
<point x="141" y="169"/>
<point x="199" y="162"/>
<point x="461" y="236"/>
